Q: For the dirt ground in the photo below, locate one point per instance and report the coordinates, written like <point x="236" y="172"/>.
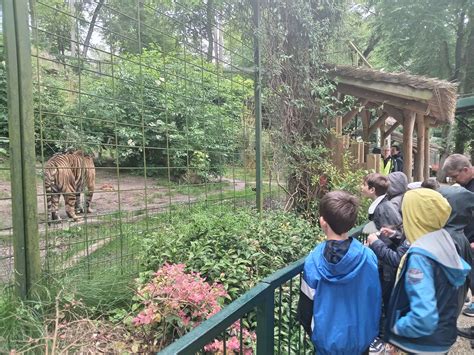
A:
<point x="462" y="345"/>
<point x="127" y="193"/>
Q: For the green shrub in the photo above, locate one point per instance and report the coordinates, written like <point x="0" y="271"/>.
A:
<point x="236" y="248"/>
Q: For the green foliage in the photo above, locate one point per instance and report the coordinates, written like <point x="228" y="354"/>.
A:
<point x="54" y="19"/>
<point x="19" y="322"/>
<point x="236" y="248"/>
<point x="180" y="109"/>
<point x="347" y="179"/>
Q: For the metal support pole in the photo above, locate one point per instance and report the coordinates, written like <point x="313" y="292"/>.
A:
<point x="258" y="103"/>
<point x="22" y="147"/>
<point x="265" y="325"/>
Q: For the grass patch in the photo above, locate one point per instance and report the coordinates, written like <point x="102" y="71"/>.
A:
<point x="5" y="171"/>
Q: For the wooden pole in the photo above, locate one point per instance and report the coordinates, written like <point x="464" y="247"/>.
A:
<point x="338" y="125"/>
<point x="365" y="125"/>
<point x="408" y="125"/>
<point x="420" y="144"/>
<point x="426" y="146"/>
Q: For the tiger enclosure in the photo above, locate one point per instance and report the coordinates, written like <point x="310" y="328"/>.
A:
<point x="183" y="146"/>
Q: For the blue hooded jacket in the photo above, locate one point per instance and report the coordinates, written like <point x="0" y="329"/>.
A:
<point x="347" y="300"/>
<point x="423" y="306"/>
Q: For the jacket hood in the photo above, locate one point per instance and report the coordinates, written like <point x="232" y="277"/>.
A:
<point x="347" y="268"/>
<point x="398" y="183"/>
<point x="439" y="246"/>
<point x="462" y="205"/>
<point x="424" y="211"/>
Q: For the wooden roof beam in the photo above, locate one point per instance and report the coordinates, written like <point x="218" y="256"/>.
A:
<point x="378" y="123"/>
<point x="399" y="90"/>
<point x="390" y="130"/>
<point x="349" y="116"/>
<point x="374" y="96"/>
<point x="394" y="112"/>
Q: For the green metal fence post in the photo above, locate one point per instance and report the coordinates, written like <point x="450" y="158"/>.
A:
<point x="22" y="147"/>
<point x="258" y="103"/>
<point x="265" y="325"/>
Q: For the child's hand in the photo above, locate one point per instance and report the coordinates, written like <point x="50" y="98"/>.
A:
<point x="386" y="232"/>
<point x="371" y="238"/>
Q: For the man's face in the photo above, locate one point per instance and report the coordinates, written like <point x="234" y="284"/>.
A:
<point x="462" y="177"/>
<point x="393" y="150"/>
<point x="386" y="152"/>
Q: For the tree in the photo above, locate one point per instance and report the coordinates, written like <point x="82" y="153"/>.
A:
<point x="426" y="37"/>
<point x="295" y="37"/>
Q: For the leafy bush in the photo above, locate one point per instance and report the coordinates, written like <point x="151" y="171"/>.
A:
<point x="348" y="179"/>
<point x="173" y="302"/>
<point x="235" y="248"/>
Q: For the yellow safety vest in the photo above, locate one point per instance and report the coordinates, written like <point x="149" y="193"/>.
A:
<point x="386" y="169"/>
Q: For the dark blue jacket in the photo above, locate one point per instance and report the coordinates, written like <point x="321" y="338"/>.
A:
<point x="346" y="300"/>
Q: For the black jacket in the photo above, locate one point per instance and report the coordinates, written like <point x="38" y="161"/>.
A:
<point x="462" y="204"/>
<point x="386" y="215"/>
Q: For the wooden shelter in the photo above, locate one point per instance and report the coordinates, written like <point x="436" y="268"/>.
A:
<point x="416" y="103"/>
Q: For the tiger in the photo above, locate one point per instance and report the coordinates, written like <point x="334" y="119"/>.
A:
<point x="67" y="174"/>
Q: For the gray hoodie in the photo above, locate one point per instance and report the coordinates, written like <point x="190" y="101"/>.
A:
<point x="396" y="190"/>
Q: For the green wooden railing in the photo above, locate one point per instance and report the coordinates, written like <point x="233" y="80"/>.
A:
<point x="273" y="302"/>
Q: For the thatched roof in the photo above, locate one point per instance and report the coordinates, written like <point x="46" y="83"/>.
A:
<point x="439" y="96"/>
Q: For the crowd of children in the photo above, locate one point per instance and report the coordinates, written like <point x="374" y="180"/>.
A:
<point x="406" y="285"/>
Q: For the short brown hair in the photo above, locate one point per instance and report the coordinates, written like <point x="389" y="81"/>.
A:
<point x="339" y="209"/>
<point x="377" y="181"/>
<point x="430" y="184"/>
<point x="456" y="162"/>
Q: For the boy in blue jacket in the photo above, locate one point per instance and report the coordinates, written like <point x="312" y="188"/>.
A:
<point x="340" y="298"/>
<point x="424" y="304"/>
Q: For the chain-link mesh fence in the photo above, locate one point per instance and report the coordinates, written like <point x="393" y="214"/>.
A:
<point x="160" y="96"/>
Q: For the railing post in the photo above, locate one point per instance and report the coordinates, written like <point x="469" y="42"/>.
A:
<point x="258" y="103"/>
<point x="22" y="145"/>
<point x="265" y="325"/>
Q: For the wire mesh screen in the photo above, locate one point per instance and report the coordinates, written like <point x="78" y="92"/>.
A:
<point x="141" y="108"/>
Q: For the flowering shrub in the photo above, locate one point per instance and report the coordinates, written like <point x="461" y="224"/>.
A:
<point x="174" y="301"/>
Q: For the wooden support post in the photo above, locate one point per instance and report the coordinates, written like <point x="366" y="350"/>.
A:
<point x="408" y="125"/>
<point x="338" y="125"/>
<point x="420" y="144"/>
<point x="426" y="146"/>
<point x="382" y="133"/>
<point x="360" y="146"/>
<point x="339" y="153"/>
<point x="365" y="125"/>
<point x="373" y="162"/>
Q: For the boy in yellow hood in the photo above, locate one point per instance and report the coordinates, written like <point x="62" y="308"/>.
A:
<point x="423" y="307"/>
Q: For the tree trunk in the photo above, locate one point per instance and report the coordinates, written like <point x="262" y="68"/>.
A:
<point x="373" y="41"/>
<point x="91" y="28"/>
<point x="458" y="54"/>
<point x="72" y="11"/>
<point x="446" y="150"/>
<point x="466" y="75"/>
<point x="210" y="19"/>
